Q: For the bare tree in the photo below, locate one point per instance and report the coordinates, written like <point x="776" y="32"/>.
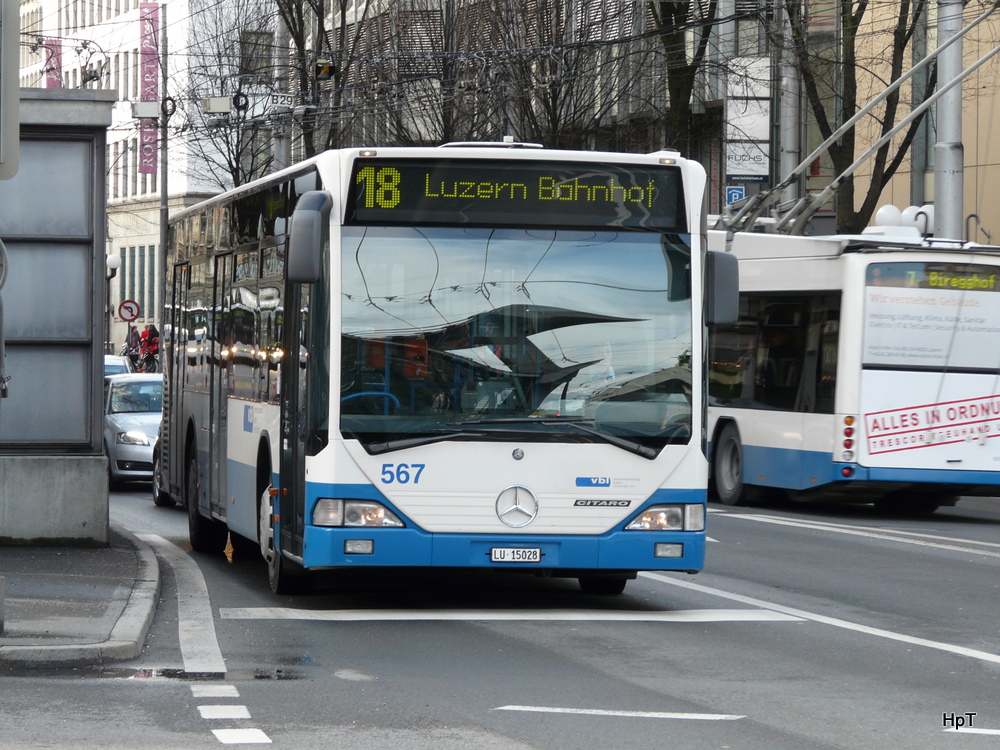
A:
<point x="554" y="71"/>
<point x="684" y="28"/>
<point x="326" y="48"/>
<point x="844" y="63"/>
<point x="229" y="65"/>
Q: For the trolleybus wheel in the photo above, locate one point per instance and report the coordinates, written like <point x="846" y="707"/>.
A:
<point x="604" y="586"/>
<point x="284" y="576"/>
<point x="206" y="534"/>
<point x="727" y="467"/>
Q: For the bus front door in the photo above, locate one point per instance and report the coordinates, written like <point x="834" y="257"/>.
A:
<point x="291" y="498"/>
<point x="219" y="366"/>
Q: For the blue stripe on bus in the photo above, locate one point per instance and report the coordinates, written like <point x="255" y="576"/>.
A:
<point x="414" y="547"/>
<point x="923" y="476"/>
<point x="788" y="469"/>
<point x="803" y="470"/>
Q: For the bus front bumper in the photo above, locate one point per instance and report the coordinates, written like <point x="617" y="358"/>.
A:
<point x="613" y="551"/>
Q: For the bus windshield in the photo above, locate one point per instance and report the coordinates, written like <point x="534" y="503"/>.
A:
<point x="534" y="333"/>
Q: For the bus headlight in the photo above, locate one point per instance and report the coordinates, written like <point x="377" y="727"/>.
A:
<point x="688" y="517"/>
<point x="354" y="513"/>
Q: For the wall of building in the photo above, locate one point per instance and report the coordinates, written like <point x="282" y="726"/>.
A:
<point x="53" y="474"/>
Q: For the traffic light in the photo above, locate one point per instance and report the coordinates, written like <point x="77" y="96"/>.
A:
<point x="324" y="70"/>
<point x="10" y="87"/>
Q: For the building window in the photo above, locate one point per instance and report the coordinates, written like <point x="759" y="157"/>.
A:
<point x="255" y="54"/>
<point x="121" y="276"/>
<point x="140" y="275"/>
<point x="151" y="281"/>
<point x="131" y="273"/>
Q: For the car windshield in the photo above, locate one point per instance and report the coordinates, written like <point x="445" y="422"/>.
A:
<point x="465" y="330"/>
<point x="136" y="398"/>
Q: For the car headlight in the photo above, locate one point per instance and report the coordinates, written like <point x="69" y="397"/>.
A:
<point x="354" y="514"/>
<point x="132" y="437"/>
<point x="688" y="517"/>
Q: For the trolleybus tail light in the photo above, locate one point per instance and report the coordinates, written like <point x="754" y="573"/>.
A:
<point x="688" y="517"/>
<point x="354" y="514"/>
<point x="848" y="454"/>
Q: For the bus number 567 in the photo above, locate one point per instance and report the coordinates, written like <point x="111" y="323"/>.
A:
<point x="401" y="473"/>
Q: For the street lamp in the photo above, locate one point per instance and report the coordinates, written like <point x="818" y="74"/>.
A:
<point x="113" y="263"/>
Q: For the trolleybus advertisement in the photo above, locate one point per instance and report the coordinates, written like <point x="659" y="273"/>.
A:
<point x="930" y="360"/>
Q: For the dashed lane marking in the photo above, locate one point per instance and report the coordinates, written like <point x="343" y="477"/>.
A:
<point x="555" y="615"/>
<point x="224" y="712"/>
<point x="241" y="737"/>
<point x="229" y="735"/>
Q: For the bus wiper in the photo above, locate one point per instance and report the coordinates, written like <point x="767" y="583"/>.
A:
<point x="395" y="445"/>
<point x="624" y="443"/>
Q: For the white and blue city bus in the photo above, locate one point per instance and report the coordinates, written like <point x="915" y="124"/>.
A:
<point x="468" y="356"/>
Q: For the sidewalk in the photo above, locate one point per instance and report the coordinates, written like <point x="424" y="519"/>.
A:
<point x="65" y="606"/>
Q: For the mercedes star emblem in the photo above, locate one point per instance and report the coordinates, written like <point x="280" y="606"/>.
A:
<point x="517" y="506"/>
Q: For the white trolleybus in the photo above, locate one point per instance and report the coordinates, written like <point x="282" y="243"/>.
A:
<point x="465" y="356"/>
<point x="862" y="368"/>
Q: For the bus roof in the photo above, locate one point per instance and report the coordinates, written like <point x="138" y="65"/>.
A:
<point x="753" y="245"/>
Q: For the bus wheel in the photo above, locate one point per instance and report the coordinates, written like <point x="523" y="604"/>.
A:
<point x="284" y="576"/>
<point x="161" y="499"/>
<point x="603" y="586"/>
<point x="727" y="467"/>
<point x="206" y="534"/>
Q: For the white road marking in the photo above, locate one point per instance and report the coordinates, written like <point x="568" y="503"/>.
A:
<point x="804" y="615"/>
<point x="214" y="691"/>
<point x="195" y="625"/>
<point x="957" y="545"/>
<point x="555" y="615"/>
<point x="973" y="730"/>
<point x="628" y="714"/>
<point x="224" y="712"/>
<point x="352" y="675"/>
<point x="241" y="737"/>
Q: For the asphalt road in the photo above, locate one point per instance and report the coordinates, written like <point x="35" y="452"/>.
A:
<point x="811" y="627"/>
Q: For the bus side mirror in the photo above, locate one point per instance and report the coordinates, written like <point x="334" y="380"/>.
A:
<point x="306" y="235"/>
<point x="722" y="289"/>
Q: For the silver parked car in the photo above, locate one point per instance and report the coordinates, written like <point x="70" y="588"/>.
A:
<point x="133" y="405"/>
<point x="116" y="365"/>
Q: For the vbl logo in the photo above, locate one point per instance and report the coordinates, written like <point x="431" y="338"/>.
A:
<point x="247" y="418"/>
<point x="593" y="481"/>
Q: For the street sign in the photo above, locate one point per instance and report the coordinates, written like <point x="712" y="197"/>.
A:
<point x="735" y="193"/>
<point x="128" y="310"/>
<point x="281" y="101"/>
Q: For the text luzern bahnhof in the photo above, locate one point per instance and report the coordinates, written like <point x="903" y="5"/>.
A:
<point x="497" y="193"/>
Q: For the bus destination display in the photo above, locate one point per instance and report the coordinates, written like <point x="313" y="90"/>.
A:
<point x="488" y="192"/>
